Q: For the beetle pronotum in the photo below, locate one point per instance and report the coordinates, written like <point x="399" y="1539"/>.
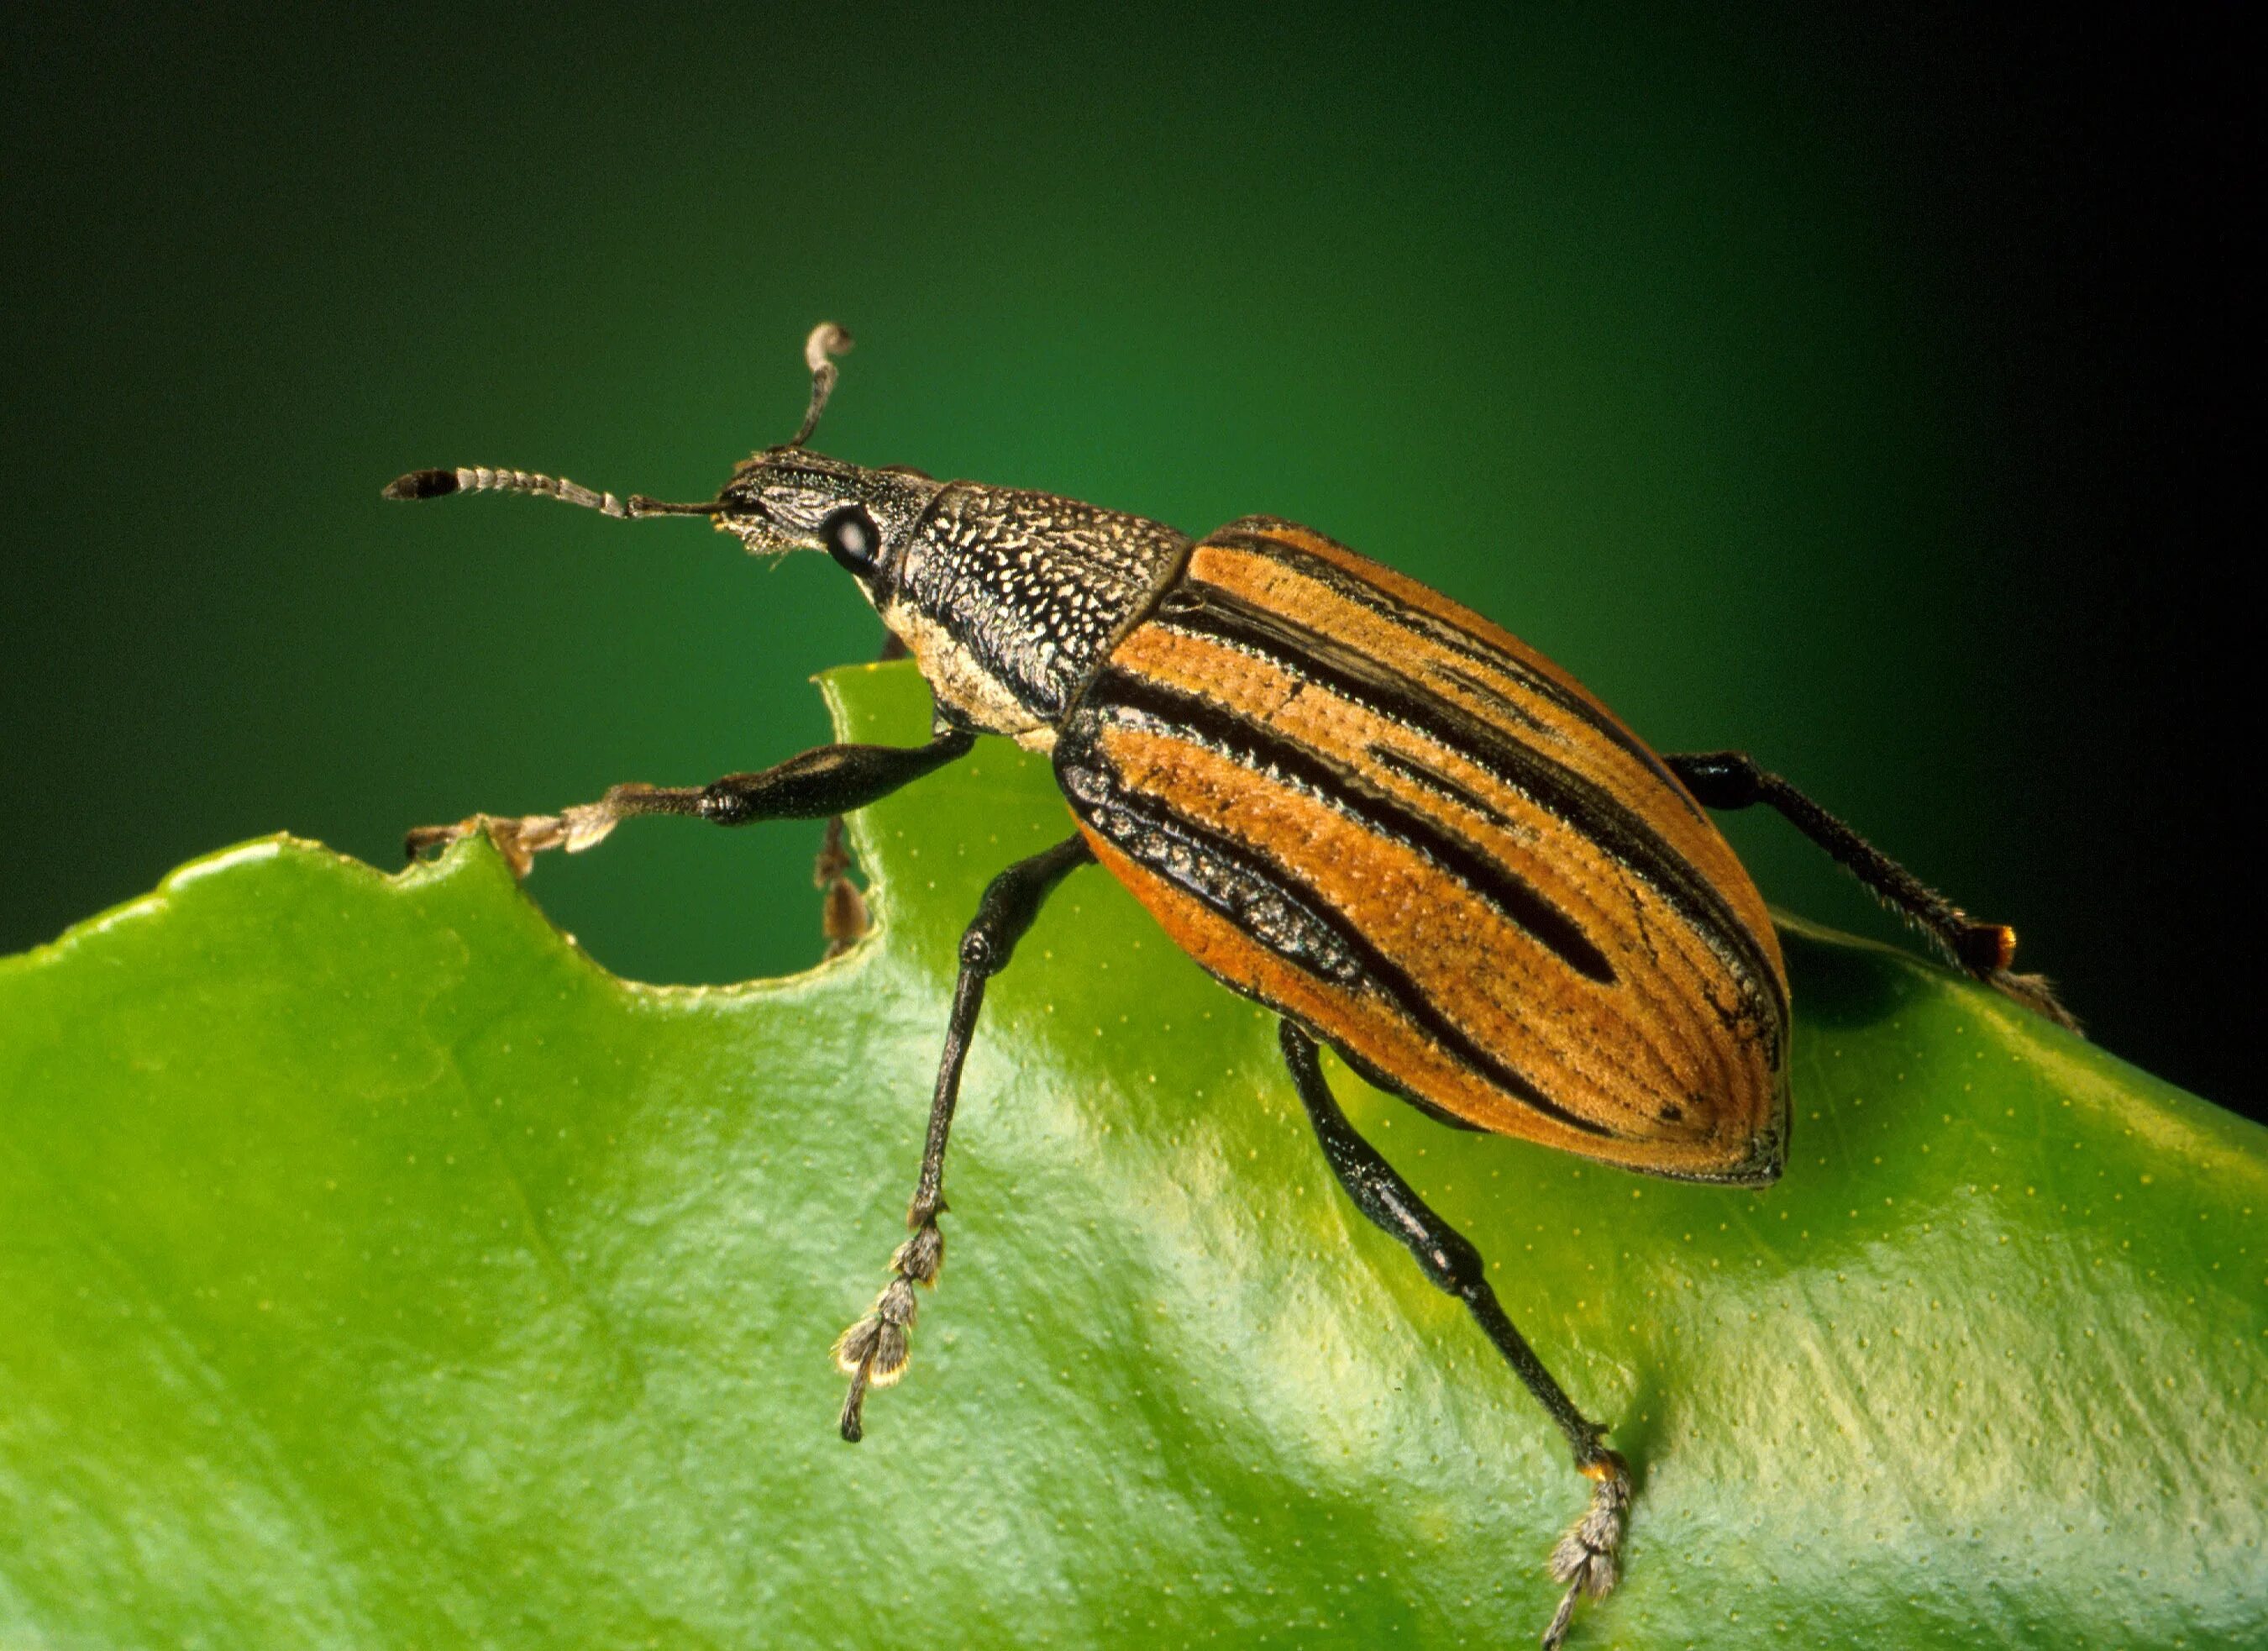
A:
<point x="1347" y="797"/>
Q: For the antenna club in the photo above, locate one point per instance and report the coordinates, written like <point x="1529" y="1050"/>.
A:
<point x="827" y="339"/>
<point x="420" y="484"/>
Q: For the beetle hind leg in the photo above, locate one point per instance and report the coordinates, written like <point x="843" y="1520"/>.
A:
<point x="873" y="1351"/>
<point x="1985" y="951"/>
<point x="1588" y="1558"/>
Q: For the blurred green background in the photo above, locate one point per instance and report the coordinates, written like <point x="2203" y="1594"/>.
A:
<point x="1849" y="388"/>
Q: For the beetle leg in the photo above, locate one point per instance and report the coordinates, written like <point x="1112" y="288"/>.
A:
<point x="1586" y="1559"/>
<point x="830" y="779"/>
<point x="1731" y="779"/>
<point x="842" y="917"/>
<point x="872" y="1351"/>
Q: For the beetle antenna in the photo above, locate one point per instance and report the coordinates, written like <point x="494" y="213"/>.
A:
<point x="474" y="479"/>
<point x="827" y="339"/>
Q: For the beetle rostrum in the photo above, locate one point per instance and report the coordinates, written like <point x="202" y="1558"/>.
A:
<point x="1362" y="805"/>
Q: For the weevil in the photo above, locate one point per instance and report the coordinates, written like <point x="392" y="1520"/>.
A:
<point x="1386" y="819"/>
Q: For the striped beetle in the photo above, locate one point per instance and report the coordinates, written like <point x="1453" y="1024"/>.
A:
<point x="1392" y="823"/>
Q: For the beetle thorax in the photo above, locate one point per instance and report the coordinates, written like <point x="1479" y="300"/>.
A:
<point x="1009" y="600"/>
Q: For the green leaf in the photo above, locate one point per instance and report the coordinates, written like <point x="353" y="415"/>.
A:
<point x="376" y="1270"/>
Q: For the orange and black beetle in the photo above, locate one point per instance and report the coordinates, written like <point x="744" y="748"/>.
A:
<point x="1349" y="798"/>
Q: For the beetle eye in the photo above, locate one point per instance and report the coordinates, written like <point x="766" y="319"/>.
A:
<point x="850" y="537"/>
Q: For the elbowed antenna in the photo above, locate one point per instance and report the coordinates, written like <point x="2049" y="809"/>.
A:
<point x="478" y="479"/>
<point x="827" y="339"/>
<point x="826" y="342"/>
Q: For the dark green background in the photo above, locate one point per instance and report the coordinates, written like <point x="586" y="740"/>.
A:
<point x="1853" y="390"/>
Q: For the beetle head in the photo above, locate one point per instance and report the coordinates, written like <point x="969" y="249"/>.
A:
<point x="789" y="498"/>
<point x="1006" y="599"/>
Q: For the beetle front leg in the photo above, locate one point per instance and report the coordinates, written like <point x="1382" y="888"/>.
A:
<point x="1732" y="779"/>
<point x="872" y="1352"/>
<point x="1586" y="1558"/>
<point x="830" y="779"/>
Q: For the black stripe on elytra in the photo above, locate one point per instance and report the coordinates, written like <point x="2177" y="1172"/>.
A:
<point x="1441" y="785"/>
<point x="1251" y="745"/>
<point x="1150" y="830"/>
<point x="1257" y="905"/>
<point x="1200" y="609"/>
<point x="1455" y="638"/>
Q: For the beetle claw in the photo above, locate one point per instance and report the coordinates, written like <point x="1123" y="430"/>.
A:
<point x="518" y="840"/>
<point x="418" y="839"/>
<point x="2036" y="992"/>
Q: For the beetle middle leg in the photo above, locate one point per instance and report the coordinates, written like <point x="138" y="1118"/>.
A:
<point x="828" y="779"/>
<point x="872" y="1352"/>
<point x="842" y="915"/>
<point x="1586" y="1557"/>
<point x="1732" y="779"/>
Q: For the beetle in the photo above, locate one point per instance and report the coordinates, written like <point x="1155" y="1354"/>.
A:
<point x="1383" y="817"/>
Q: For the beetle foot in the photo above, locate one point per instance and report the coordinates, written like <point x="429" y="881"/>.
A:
<point x="519" y="840"/>
<point x="1986" y="950"/>
<point x="873" y="1353"/>
<point x="1588" y="1557"/>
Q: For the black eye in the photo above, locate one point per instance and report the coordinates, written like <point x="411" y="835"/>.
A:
<point x="850" y="537"/>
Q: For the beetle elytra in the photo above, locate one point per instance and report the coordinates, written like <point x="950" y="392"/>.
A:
<point x="1349" y="799"/>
